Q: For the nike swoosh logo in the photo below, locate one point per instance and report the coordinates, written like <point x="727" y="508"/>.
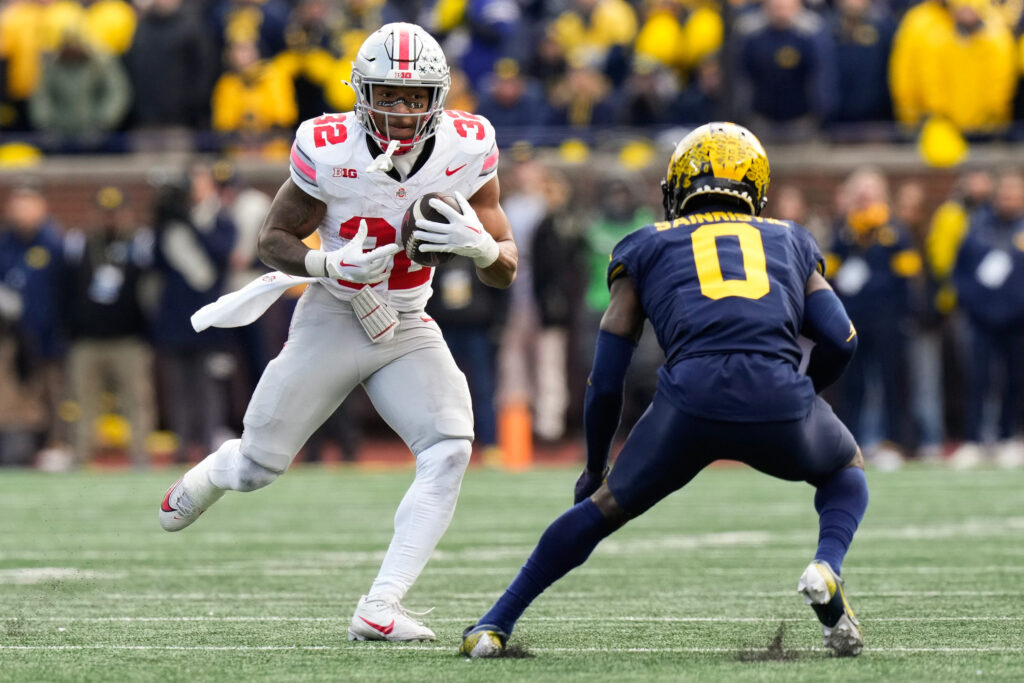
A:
<point x="166" y="504"/>
<point x="346" y="265"/>
<point x="377" y="627"/>
<point x="453" y="171"/>
<point x="474" y="229"/>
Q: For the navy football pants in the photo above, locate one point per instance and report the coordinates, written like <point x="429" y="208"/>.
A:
<point x="667" y="448"/>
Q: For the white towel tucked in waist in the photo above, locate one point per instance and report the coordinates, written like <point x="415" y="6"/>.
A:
<point x="247" y="304"/>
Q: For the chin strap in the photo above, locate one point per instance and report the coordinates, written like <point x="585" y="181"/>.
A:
<point x="384" y="162"/>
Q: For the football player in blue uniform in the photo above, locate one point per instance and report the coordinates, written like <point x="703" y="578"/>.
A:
<point x="728" y="294"/>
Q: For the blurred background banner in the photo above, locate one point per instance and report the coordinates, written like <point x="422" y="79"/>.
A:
<point x="141" y="142"/>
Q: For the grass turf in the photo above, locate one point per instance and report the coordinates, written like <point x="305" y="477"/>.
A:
<point x="701" y="588"/>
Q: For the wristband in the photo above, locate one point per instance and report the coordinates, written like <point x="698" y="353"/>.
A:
<point x="316" y="263"/>
<point x="489" y="253"/>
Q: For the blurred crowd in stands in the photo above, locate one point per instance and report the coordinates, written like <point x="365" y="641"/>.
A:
<point x="97" y="351"/>
<point x="238" y="75"/>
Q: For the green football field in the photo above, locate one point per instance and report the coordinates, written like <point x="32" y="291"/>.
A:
<point x="702" y="588"/>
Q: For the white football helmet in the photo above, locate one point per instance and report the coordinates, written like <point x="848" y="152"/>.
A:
<point x="400" y="54"/>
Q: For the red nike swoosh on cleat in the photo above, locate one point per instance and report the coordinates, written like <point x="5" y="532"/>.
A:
<point x="383" y="629"/>
<point x="453" y="171"/>
<point x="166" y="504"/>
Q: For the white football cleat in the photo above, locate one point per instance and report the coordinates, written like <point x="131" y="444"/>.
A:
<point x="967" y="455"/>
<point x="184" y="502"/>
<point x="822" y="589"/>
<point x="386" y="620"/>
<point x="1009" y="454"/>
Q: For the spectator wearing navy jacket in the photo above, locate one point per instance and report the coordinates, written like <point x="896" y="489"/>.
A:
<point x="786" y="64"/>
<point x="194" y="240"/>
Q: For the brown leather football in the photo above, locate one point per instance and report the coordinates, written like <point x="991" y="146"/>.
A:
<point x="421" y="208"/>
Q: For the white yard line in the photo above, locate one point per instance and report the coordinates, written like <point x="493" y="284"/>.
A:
<point x="469" y="619"/>
<point x="39" y="574"/>
<point x="554" y="595"/>
<point x="391" y="648"/>
<point x="615" y="546"/>
<point x="30" y="575"/>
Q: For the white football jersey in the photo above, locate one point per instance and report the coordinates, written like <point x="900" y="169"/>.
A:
<point x="329" y="160"/>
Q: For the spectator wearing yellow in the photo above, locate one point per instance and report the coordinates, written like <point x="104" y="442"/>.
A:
<point x="915" y="42"/>
<point x="949" y="225"/>
<point x="316" y="58"/>
<point x="584" y="99"/>
<point x="28" y="29"/>
<point x="111" y="24"/>
<point x="591" y="28"/>
<point x="956" y="63"/>
<point x="460" y="95"/>
<point x="680" y="34"/>
<point x="254" y="97"/>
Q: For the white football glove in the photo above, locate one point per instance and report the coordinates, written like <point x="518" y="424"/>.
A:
<point x="463" y="234"/>
<point x="351" y="263"/>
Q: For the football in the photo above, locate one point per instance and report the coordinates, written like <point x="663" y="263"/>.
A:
<point x="421" y="208"/>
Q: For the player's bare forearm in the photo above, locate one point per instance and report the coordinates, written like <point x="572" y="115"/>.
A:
<point x="502" y="272"/>
<point x="293" y="216"/>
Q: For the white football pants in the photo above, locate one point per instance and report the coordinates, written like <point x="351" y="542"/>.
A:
<point x="413" y="383"/>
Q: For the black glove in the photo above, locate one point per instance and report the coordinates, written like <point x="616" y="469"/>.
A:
<point x="588" y="482"/>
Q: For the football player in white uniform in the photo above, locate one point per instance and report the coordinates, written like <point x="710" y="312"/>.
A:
<point x="353" y="175"/>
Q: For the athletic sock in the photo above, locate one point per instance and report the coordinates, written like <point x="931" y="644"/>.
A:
<point x="565" y="544"/>
<point x="840" y="502"/>
<point x="422" y="517"/>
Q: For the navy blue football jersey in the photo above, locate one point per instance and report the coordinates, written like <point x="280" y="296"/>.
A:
<point x="725" y="294"/>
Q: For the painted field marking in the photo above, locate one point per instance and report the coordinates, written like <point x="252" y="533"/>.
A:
<point x="310" y="597"/>
<point x="391" y="648"/>
<point x="467" y="619"/>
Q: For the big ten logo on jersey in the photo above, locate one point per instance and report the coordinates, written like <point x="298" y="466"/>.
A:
<point x="466" y="123"/>
<point x="329" y="129"/>
<point x="345" y="173"/>
<point x="404" y="274"/>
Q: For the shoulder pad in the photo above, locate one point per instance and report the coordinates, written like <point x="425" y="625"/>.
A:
<point x="471" y="134"/>
<point x="329" y="139"/>
<point x="322" y="143"/>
